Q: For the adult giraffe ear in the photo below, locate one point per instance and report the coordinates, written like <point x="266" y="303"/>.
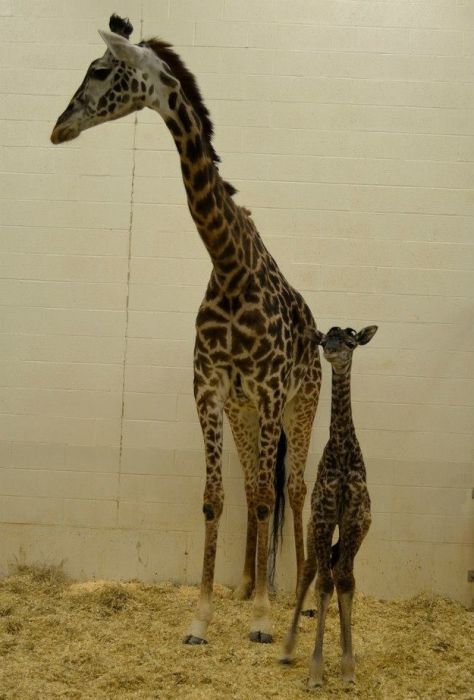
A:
<point x="123" y="50"/>
<point x="366" y="334"/>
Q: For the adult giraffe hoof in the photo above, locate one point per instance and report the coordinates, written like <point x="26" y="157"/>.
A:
<point x="261" y="637"/>
<point x="191" y="639"/>
<point x="309" y="613"/>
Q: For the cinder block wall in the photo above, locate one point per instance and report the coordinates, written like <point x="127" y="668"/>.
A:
<point x="347" y="127"/>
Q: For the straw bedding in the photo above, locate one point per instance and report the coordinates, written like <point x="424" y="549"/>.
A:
<point x="100" y="639"/>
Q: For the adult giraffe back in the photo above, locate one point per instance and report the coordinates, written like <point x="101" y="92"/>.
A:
<point x="253" y="358"/>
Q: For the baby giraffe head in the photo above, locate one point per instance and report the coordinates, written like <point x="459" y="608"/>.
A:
<point x="125" y="79"/>
<point x="339" y="343"/>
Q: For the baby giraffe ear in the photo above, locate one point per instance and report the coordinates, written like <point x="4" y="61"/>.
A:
<point x="315" y="336"/>
<point x="123" y="50"/>
<point x="319" y="337"/>
<point x="366" y="334"/>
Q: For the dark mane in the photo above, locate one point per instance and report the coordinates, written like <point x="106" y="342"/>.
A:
<point x="192" y="92"/>
<point x="188" y="85"/>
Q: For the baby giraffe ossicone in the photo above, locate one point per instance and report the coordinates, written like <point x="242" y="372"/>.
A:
<point x="340" y="497"/>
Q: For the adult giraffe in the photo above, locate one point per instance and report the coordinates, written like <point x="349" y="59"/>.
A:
<point x="254" y="356"/>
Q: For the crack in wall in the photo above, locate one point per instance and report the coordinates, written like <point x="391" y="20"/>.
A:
<point x="127" y="302"/>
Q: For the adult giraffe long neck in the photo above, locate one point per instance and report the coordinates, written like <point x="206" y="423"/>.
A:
<point x="222" y="225"/>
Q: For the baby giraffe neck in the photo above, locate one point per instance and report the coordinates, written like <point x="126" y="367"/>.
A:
<point x="342" y="426"/>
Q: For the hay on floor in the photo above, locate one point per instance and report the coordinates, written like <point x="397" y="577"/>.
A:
<point x="102" y="639"/>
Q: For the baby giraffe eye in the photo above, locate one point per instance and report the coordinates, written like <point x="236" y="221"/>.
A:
<point x="100" y="73"/>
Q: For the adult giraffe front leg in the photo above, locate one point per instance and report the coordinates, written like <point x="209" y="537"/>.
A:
<point x="210" y="413"/>
<point x="270" y="429"/>
<point x="297" y="425"/>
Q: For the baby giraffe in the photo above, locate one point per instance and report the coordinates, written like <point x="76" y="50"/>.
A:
<point x="340" y="497"/>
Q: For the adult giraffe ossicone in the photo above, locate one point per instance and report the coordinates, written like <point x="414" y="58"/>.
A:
<point x="254" y="357"/>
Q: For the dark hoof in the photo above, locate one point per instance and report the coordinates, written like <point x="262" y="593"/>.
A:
<point x="261" y="637"/>
<point x="309" y="613"/>
<point x="190" y="639"/>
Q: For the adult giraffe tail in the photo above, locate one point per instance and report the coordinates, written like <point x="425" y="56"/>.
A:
<point x="279" y="510"/>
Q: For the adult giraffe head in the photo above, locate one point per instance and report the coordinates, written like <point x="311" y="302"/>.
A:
<point x="129" y="77"/>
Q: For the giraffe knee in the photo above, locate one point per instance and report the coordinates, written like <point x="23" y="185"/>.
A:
<point x="345" y="582"/>
<point x="296" y="492"/>
<point x="208" y="511"/>
<point x="212" y="511"/>
<point x="324" y="584"/>
<point x="263" y="512"/>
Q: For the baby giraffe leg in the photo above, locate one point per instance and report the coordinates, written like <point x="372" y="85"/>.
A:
<point x="309" y="571"/>
<point x="345" y="611"/>
<point x="345" y="584"/>
<point x="325" y="586"/>
<point x="353" y="532"/>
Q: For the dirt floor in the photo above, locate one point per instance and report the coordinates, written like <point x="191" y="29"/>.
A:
<point x="106" y="640"/>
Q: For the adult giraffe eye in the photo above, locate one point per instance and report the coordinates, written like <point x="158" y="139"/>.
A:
<point x="100" y="73"/>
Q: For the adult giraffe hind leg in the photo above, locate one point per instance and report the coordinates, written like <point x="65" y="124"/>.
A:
<point x="245" y="428"/>
<point x="298" y="421"/>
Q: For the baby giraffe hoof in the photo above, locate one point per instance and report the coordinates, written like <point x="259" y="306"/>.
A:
<point x="261" y="637"/>
<point x="285" y="661"/>
<point x="191" y="639"/>
<point x="348" y="670"/>
<point x="316" y="670"/>
<point x="309" y="613"/>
